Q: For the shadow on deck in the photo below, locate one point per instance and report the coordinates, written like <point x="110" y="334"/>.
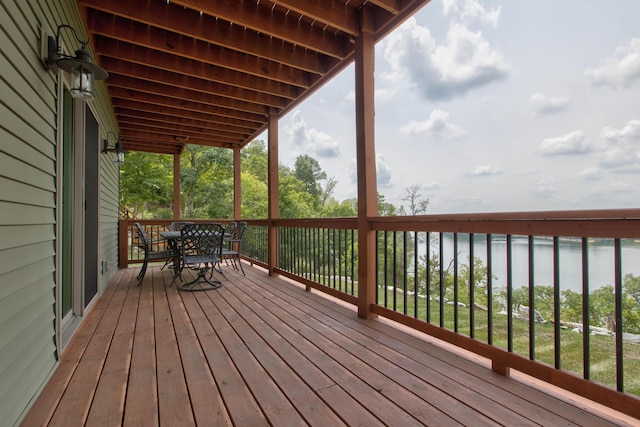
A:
<point x="262" y="351"/>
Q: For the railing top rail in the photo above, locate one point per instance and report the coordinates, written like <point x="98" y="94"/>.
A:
<point x="607" y="214"/>
<point x="623" y="223"/>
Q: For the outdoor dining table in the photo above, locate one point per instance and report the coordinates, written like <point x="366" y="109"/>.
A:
<point x="173" y="238"/>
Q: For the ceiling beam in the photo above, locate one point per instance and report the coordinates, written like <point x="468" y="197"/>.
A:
<point x="176" y="132"/>
<point x="171" y="116"/>
<point x="132" y="135"/>
<point x="119" y="95"/>
<point x="268" y="21"/>
<point x="208" y="29"/>
<point x="333" y="13"/>
<point x="118" y="28"/>
<point x="152" y="58"/>
<point x="253" y="102"/>
<point x="391" y="6"/>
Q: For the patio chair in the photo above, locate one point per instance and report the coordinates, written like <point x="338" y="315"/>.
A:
<point x="175" y="226"/>
<point x="201" y="251"/>
<point x="147" y="245"/>
<point x="231" y="252"/>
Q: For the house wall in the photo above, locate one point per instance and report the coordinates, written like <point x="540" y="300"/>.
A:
<point x="28" y="194"/>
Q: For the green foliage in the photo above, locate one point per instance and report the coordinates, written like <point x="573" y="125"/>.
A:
<point x="254" y="197"/>
<point x="308" y="171"/>
<point x="255" y="160"/>
<point x="146" y="184"/>
<point x="334" y="209"/>
<point x="601" y="304"/>
<point x="206" y="181"/>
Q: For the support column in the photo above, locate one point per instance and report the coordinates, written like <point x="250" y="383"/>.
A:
<point x="366" y="163"/>
<point x="176" y="186"/>
<point x="237" y="187"/>
<point x="273" y="192"/>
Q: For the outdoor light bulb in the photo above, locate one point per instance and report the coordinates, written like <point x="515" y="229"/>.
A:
<point x="119" y="157"/>
<point x="82" y="86"/>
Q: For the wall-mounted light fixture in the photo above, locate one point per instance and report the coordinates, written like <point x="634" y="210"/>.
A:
<point x="117" y="148"/>
<point x="83" y="71"/>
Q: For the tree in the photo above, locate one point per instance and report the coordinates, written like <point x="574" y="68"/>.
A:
<point x="206" y="181"/>
<point x="345" y="209"/>
<point x="385" y="208"/>
<point x="254" y="160"/>
<point x="417" y="205"/>
<point x="308" y="170"/>
<point x="146" y="184"/>
<point x="327" y="191"/>
<point x="254" y="197"/>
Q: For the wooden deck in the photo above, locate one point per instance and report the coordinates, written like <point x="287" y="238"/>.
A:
<point x="262" y="351"/>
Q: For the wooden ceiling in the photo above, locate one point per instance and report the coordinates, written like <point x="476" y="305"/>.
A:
<point x="209" y="72"/>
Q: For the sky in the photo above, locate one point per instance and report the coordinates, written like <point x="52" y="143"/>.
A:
<point x="492" y="106"/>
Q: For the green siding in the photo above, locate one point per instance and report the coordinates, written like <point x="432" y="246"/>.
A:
<point x="28" y="122"/>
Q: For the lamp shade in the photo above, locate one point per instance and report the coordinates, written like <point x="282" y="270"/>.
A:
<point x="81" y="67"/>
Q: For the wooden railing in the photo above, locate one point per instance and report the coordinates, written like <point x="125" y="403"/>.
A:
<point x="457" y="278"/>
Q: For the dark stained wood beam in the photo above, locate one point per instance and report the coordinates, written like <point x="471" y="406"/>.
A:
<point x="133" y="135"/>
<point x="181" y="130"/>
<point x="130" y="53"/>
<point x="133" y="76"/>
<point x="213" y="122"/>
<point x="391" y="6"/>
<point x="125" y="121"/>
<point x="201" y="92"/>
<point x="157" y="103"/>
<point x="333" y="13"/>
<point x="264" y="20"/>
<point x="189" y="23"/>
<point x="127" y="104"/>
<point x="152" y="146"/>
<point x="158" y="39"/>
<point x="212" y="105"/>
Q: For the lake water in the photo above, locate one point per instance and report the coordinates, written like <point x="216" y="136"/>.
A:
<point x="600" y="252"/>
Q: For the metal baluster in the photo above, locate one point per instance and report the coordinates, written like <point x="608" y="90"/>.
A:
<point x="532" y="303"/>
<point x="586" y="345"/>
<point x="472" y="288"/>
<point x="618" y="299"/>
<point x="509" y="295"/>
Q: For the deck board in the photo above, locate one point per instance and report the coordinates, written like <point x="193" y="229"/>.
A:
<point x="263" y="351"/>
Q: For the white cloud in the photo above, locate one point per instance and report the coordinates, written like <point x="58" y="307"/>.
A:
<point x="437" y="125"/>
<point x="592" y="173"/>
<point x="469" y="11"/>
<point x="620" y="70"/>
<point x="484" y="171"/>
<point x="440" y="72"/>
<point x="310" y="140"/>
<point x="383" y="172"/>
<point x="432" y="186"/>
<point x="543" y="188"/>
<point x="542" y="104"/>
<point x="571" y="143"/>
<point x="622" y="147"/>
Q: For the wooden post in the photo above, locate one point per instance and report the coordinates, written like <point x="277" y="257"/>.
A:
<point x="237" y="187"/>
<point x="273" y="192"/>
<point x="366" y="164"/>
<point x="123" y="243"/>
<point x="176" y="186"/>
